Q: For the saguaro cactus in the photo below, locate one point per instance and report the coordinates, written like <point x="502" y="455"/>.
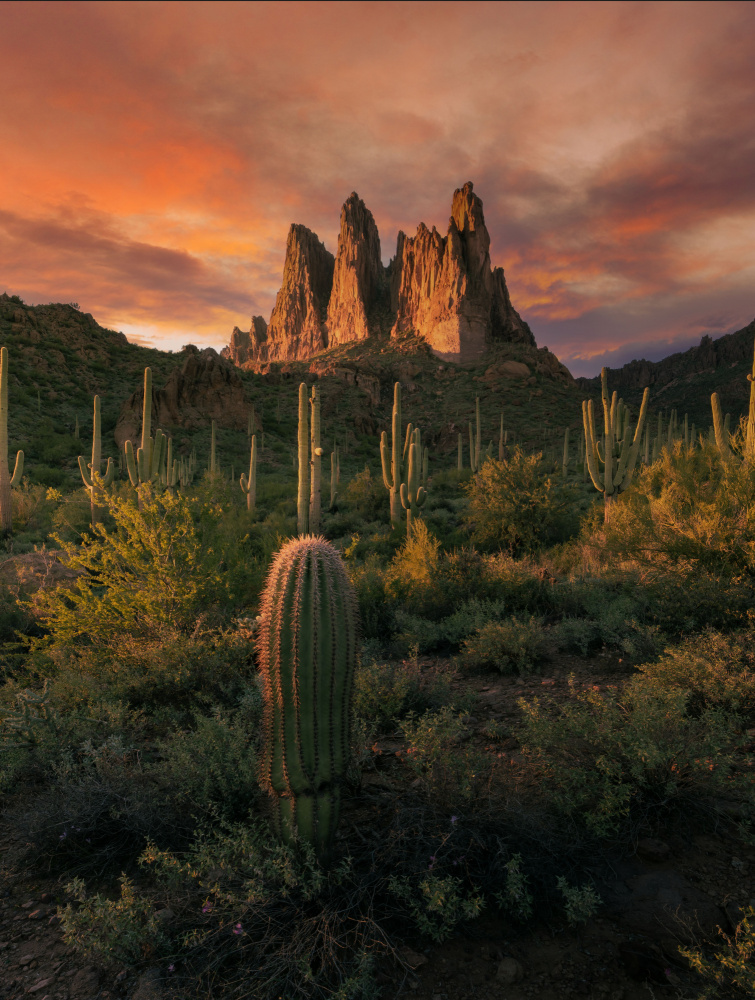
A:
<point x="619" y="453"/>
<point x="315" y="465"/>
<point x="302" y="502"/>
<point x="474" y="440"/>
<point x="413" y="495"/>
<point x="307" y="648"/>
<point x="7" y="482"/>
<point x="249" y="483"/>
<point x="393" y="478"/>
<point x="145" y="466"/>
<point x="721" y="429"/>
<point x="93" y="481"/>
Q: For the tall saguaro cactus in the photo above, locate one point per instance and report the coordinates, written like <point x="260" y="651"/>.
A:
<point x="302" y="502"/>
<point x="413" y="495"/>
<point x="7" y="481"/>
<point x="393" y="469"/>
<point x="721" y="429"/>
<point x="144" y="468"/>
<point x="307" y="648"/>
<point x="93" y="481"/>
<point x="316" y="464"/>
<point x="620" y="449"/>
<point x="474" y="440"/>
<point x="249" y="483"/>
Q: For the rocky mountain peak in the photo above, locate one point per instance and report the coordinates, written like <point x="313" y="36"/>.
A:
<point x="442" y="288"/>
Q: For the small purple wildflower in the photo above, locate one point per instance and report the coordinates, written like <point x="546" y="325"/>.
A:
<point x="171" y="968"/>
<point x="207" y="908"/>
<point x="238" y="929"/>
<point x="454" y="820"/>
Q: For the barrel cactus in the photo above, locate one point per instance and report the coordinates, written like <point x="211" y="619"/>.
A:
<point x="307" y="649"/>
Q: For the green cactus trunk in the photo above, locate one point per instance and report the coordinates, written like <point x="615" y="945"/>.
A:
<point x="302" y="501"/>
<point x="307" y="649"/>
<point x="413" y="495"/>
<point x="93" y="481"/>
<point x="144" y="467"/>
<point x="7" y="481"/>
<point x="249" y="483"/>
<point x="315" y="463"/>
<point x="393" y="470"/>
<point x="619" y="456"/>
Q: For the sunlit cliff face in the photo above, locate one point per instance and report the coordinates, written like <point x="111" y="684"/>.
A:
<point x="152" y="157"/>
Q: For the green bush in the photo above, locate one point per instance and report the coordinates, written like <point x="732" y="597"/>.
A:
<point x="604" y="757"/>
<point x="715" y="670"/>
<point x="514" y="506"/>
<point x="384" y="692"/>
<point x="367" y="497"/>
<point x="450" y="769"/>
<point x="514" y="646"/>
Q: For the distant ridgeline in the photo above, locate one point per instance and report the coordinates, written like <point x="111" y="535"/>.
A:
<point x="686" y="380"/>
<point x="442" y="288"/>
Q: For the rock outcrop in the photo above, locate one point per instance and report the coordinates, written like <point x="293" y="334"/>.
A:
<point x="709" y="355"/>
<point x="359" y="276"/>
<point x="296" y="327"/>
<point x="203" y="389"/>
<point x="445" y="289"/>
<point x="440" y="287"/>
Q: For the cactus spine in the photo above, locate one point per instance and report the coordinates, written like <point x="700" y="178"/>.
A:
<point x="413" y="495"/>
<point x="93" y="481"/>
<point x="619" y="453"/>
<point x="315" y="464"/>
<point x="144" y="468"/>
<point x="249" y="483"/>
<point x="307" y="648"/>
<point x="393" y="479"/>
<point x="7" y="482"/>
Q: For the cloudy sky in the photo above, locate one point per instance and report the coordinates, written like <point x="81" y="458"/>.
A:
<point x="153" y="156"/>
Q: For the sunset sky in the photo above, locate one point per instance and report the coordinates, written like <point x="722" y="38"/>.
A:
<point x="153" y="156"/>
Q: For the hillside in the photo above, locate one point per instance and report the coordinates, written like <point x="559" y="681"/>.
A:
<point x="60" y="357"/>
<point x="684" y="381"/>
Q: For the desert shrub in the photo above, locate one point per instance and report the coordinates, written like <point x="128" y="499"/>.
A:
<point x="690" y="511"/>
<point x="450" y="769"/>
<point x="437" y="904"/>
<point x="126" y="930"/>
<point x="514" y="506"/>
<point x="411" y="579"/>
<point x="160" y="570"/>
<point x="605" y="757"/>
<point x="385" y="692"/>
<point x="514" y="646"/>
<point x="716" y="671"/>
<point x="375" y="610"/>
<point x="732" y="968"/>
<point x="447" y="634"/>
<point x="367" y="496"/>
